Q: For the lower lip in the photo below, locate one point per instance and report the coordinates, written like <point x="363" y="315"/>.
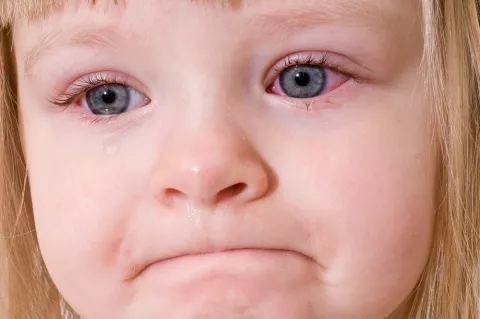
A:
<point x="233" y="283"/>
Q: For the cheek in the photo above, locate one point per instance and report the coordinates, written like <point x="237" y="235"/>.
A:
<point x="367" y="193"/>
<point x="382" y="225"/>
<point x="81" y="200"/>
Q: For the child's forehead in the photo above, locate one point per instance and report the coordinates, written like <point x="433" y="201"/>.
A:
<point x="383" y="24"/>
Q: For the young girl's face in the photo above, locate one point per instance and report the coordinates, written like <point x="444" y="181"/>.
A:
<point x="188" y="160"/>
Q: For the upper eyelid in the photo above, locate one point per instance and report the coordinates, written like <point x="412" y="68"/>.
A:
<point x="108" y="77"/>
<point x="352" y="69"/>
<point x="308" y="58"/>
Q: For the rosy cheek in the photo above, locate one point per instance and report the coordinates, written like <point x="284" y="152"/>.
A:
<point x="333" y="81"/>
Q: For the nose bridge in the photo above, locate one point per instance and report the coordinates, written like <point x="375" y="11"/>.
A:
<point x="209" y="162"/>
<point x="208" y="158"/>
<point x="211" y="148"/>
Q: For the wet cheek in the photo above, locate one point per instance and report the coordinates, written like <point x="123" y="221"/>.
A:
<point x="81" y="206"/>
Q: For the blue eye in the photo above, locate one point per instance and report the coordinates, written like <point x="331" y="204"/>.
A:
<point x="303" y="81"/>
<point x="112" y="99"/>
<point x="306" y="76"/>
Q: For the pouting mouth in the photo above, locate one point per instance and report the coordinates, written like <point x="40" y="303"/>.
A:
<point x="138" y="270"/>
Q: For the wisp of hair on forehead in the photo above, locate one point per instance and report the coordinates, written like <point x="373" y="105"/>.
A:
<point x="34" y="9"/>
<point x="20" y="9"/>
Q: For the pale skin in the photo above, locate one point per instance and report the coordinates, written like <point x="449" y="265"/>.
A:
<point x="216" y="193"/>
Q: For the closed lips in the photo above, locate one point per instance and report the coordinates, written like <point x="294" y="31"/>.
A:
<point x="205" y="253"/>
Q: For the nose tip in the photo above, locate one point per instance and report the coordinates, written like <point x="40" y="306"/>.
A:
<point x="234" y="174"/>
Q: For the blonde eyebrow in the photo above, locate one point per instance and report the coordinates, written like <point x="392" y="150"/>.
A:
<point x="100" y="37"/>
<point x="291" y="21"/>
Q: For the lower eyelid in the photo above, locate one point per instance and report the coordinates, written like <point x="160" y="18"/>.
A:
<point x="333" y="99"/>
<point x="307" y="105"/>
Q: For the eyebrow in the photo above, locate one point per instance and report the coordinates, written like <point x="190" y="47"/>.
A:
<point x="291" y="21"/>
<point x="99" y="37"/>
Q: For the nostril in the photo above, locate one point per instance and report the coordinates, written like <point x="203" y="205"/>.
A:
<point x="173" y="193"/>
<point x="231" y="192"/>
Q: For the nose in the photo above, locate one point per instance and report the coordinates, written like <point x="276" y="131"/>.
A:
<point x="210" y="166"/>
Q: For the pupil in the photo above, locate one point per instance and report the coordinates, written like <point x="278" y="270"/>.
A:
<point x="302" y="78"/>
<point x="109" y="96"/>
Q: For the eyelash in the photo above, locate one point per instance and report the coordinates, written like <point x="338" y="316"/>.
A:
<point x="85" y="84"/>
<point x="325" y="61"/>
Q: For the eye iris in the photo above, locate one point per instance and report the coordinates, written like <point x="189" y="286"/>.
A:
<point x="108" y="99"/>
<point x="303" y="81"/>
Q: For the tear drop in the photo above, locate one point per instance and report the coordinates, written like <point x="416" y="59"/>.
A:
<point x="110" y="148"/>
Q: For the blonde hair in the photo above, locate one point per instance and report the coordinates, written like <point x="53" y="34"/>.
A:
<point x="448" y="288"/>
